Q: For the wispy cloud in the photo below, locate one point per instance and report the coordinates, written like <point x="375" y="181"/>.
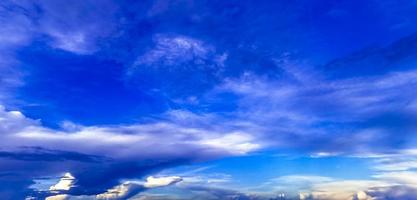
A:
<point x="313" y="110"/>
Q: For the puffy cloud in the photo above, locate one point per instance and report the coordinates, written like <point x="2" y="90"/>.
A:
<point x="65" y="183"/>
<point x="13" y="121"/>
<point x="152" y="182"/>
<point x="123" y="191"/>
<point x="361" y="195"/>
<point x="130" y="189"/>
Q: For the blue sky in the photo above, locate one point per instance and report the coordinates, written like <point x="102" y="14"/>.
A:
<point x="187" y="99"/>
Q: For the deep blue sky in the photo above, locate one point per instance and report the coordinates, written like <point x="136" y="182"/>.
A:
<point x="187" y="99"/>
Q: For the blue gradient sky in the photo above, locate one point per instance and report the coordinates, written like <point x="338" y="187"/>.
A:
<point x="187" y="99"/>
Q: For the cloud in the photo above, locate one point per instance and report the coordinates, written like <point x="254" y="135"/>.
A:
<point x="179" y="65"/>
<point x="395" y="192"/>
<point x="15" y="32"/>
<point x="76" y="28"/>
<point x="123" y="191"/>
<point x="152" y="182"/>
<point x="79" y="25"/>
<point x="130" y="189"/>
<point x="381" y="186"/>
<point x="32" y="133"/>
<point x="343" y="189"/>
<point x="100" y="156"/>
<point x="139" y="136"/>
<point x="58" y="197"/>
<point x="321" y="187"/>
<point x="156" y="197"/>
<point x="263" y="108"/>
<point x="310" y="111"/>
<point x="402" y="160"/>
<point x="126" y="190"/>
<point x="65" y="183"/>
<point x="202" y="192"/>
<point x="175" y="50"/>
<point x="401" y="177"/>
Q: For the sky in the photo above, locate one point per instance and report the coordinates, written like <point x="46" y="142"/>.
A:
<point x="208" y="99"/>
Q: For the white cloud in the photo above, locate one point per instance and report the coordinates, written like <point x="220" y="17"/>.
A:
<point x="237" y="143"/>
<point x="361" y="195"/>
<point x="152" y="182"/>
<point x="122" y="191"/>
<point x="65" y="183"/>
<point x="401" y="178"/>
<point x="74" y="42"/>
<point x="174" y="53"/>
<point x="175" y="138"/>
<point x="401" y="160"/>
<point x="96" y="139"/>
<point x="174" y="50"/>
<point x="58" y="197"/>
<point x="129" y="188"/>
<point x="13" y="121"/>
